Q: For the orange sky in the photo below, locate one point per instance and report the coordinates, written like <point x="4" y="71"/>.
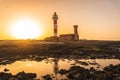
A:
<point x="97" y="19"/>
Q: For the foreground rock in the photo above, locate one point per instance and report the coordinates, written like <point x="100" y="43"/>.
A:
<point x="19" y="76"/>
<point x="79" y="73"/>
<point x="111" y="72"/>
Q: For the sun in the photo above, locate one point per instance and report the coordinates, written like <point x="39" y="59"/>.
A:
<point x="26" y="29"/>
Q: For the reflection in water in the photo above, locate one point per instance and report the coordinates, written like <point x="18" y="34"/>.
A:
<point x="53" y="65"/>
<point x="56" y="67"/>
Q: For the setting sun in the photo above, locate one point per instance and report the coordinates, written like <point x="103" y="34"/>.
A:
<point x="26" y="29"/>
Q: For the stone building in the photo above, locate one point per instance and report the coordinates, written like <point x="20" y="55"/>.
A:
<point x="66" y="37"/>
<point x="70" y="37"/>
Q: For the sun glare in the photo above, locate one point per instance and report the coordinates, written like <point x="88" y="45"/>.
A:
<point x="26" y="29"/>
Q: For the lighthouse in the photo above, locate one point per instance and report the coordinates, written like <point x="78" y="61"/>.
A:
<point x="55" y="18"/>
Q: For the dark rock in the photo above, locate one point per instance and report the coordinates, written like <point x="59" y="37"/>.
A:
<point x="5" y="76"/>
<point x="5" y="70"/>
<point x="63" y="71"/>
<point x="47" y="77"/>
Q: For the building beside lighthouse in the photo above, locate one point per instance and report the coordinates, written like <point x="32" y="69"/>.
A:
<point x="70" y="37"/>
<point x="62" y="37"/>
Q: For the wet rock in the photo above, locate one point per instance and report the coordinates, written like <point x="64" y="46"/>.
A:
<point x="110" y="72"/>
<point x="5" y="76"/>
<point x="63" y="71"/>
<point x="38" y="58"/>
<point x="93" y="63"/>
<point x="26" y="76"/>
<point x="6" y="70"/>
<point x="82" y="63"/>
<point x="47" y="77"/>
<point x="31" y="75"/>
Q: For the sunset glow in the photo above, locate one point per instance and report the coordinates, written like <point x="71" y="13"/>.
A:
<point x="97" y="19"/>
<point x="59" y="39"/>
<point x="26" y="29"/>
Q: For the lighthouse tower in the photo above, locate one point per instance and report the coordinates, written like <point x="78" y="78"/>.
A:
<point x="55" y="18"/>
<point x="76" y="35"/>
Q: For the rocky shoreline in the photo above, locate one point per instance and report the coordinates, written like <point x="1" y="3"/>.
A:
<point x="17" y="50"/>
<point x="11" y="51"/>
<point x="111" y="72"/>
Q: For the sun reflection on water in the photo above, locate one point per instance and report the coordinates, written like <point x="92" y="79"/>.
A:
<point x="52" y="66"/>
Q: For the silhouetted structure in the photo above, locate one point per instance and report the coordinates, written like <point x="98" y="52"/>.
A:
<point x="70" y="37"/>
<point x="55" y="18"/>
<point x="67" y="37"/>
<point x="63" y="37"/>
<point x="76" y="35"/>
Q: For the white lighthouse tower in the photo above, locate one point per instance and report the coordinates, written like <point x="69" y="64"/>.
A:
<point x="55" y="18"/>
